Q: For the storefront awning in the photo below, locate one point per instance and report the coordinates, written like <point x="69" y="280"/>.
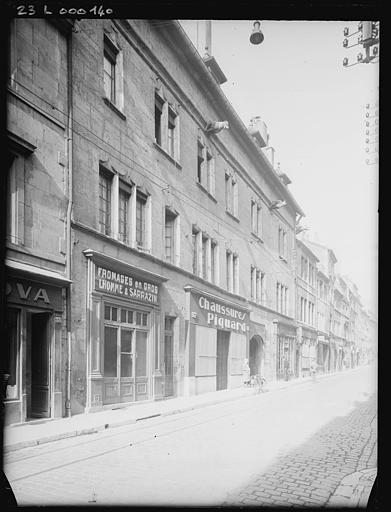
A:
<point x="38" y="272"/>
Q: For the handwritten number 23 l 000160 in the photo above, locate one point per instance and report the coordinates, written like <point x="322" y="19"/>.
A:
<point x="30" y="10"/>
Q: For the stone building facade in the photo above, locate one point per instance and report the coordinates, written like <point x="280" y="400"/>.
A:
<point x="151" y="245"/>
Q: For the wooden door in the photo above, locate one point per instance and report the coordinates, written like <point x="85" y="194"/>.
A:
<point x="40" y="365"/>
<point x="222" y="359"/>
<point x="141" y="374"/>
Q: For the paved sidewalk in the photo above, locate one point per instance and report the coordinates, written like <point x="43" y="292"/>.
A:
<point x="43" y="431"/>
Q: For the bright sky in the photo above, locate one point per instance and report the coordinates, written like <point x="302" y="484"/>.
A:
<point x="314" y="109"/>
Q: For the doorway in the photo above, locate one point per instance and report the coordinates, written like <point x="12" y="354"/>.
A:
<point x="168" y="356"/>
<point x="39" y="366"/>
<point x="222" y="359"/>
<point x="255" y="355"/>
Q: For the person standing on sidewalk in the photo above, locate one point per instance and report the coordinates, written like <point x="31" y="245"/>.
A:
<point x="246" y="372"/>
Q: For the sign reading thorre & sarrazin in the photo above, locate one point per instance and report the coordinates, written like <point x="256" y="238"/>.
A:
<point x="125" y="285"/>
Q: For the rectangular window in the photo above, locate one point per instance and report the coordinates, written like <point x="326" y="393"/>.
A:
<point x="169" y="235"/>
<point x="105" y="180"/>
<point x="234" y="198"/>
<point x="213" y="262"/>
<point x="259" y="221"/>
<point x="235" y="272"/>
<point x="109" y="65"/>
<point x="260" y="278"/>
<point x="123" y="214"/>
<point x="252" y="283"/>
<point x="254" y="217"/>
<point x="210" y="170"/>
<point x="228" y="261"/>
<point x="141" y="201"/>
<point x="204" y="257"/>
<point x="15" y="201"/>
<point x="171" y="133"/>
<point x="200" y="163"/>
<point x="282" y="243"/>
<point x="228" y="204"/>
<point x="195" y="234"/>
<point x="158" y="119"/>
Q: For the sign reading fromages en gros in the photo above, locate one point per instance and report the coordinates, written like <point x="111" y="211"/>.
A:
<point x="220" y="315"/>
<point x="125" y="285"/>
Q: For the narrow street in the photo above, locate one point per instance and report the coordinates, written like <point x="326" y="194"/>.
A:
<point x="285" y="447"/>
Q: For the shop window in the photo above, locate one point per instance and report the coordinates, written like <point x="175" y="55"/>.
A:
<point x="126" y="353"/>
<point x="141" y="319"/>
<point x="141" y="359"/>
<point x="110" y="351"/>
<point x="10" y="354"/>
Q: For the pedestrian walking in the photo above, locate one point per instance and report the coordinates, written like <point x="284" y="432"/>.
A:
<point x="246" y="372"/>
<point x="313" y="372"/>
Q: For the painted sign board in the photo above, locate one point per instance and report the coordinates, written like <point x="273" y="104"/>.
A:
<point x="218" y="313"/>
<point x="125" y="285"/>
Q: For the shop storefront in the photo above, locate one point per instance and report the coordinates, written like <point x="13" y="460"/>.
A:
<point x="309" y="354"/>
<point x="123" y="311"/>
<point x="217" y="342"/>
<point x="323" y="354"/>
<point x="35" y="330"/>
<point x="286" y="356"/>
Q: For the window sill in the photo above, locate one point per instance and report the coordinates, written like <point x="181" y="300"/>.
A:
<point x="283" y="258"/>
<point x="232" y="216"/>
<point x="206" y="191"/>
<point x="258" y="238"/>
<point x="114" y="108"/>
<point x="167" y="155"/>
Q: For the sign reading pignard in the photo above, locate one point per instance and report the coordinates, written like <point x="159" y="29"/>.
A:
<point x="218" y="314"/>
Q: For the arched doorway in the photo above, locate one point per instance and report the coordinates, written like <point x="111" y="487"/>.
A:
<point x="256" y="355"/>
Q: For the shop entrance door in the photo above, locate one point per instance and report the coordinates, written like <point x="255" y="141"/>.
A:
<point x="222" y="359"/>
<point x="141" y="365"/>
<point x="168" y="356"/>
<point x="40" y="365"/>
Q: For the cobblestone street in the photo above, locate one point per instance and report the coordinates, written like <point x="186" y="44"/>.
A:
<point x="310" y="475"/>
<point x="307" y="445"/>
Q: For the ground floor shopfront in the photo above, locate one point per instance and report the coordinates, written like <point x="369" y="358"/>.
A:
<point x="123" y="333"/>
<point x="216" y="342"/>
<point x="35" y="346"/>
<point x="287" y="351"/>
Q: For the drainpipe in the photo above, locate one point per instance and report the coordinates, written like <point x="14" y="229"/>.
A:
<point x="69" y="148"/>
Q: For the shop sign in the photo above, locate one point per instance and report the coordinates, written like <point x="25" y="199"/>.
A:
<point x="21" y="291"/>
<point x="218" y="314"/>
<point x="125" y="285"/>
